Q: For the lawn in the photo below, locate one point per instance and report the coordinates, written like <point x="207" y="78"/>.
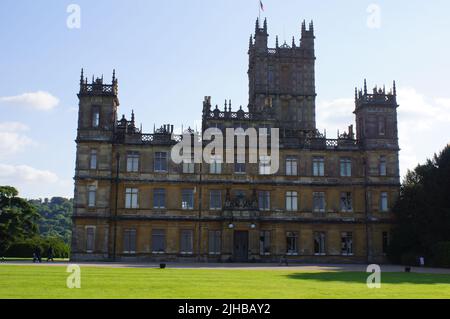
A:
<point x="106" y="282"/>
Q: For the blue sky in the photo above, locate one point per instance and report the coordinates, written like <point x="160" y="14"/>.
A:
<point x="169" y="54"/>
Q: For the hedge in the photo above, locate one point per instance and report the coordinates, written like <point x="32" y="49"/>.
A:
<point x="25" y="248"/>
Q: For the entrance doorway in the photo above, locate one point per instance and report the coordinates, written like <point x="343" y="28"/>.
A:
<point x="240" y="252"/>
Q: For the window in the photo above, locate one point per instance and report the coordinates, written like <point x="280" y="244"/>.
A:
<point x="292" y="243"/>
<point x="158" y="240"/>
<point x="95" y="117"/>
<point x="319" y="243"/>
<point x="381" y="125"/>
<point x="383" y="170"/>
<point x="90" y="238"/>
<point x="291" y="166"/>
<point x="346" y="167"/>
<point x="186" y="242"/>
<point x="92" y="190"/>
<point x="264" y="165"/>
<point x="215" y="165"/>
<point x="291" y="201"/>
<point x="346" y="243"/>
<point x="215" y="199"/>
<point x="384" y="202"/>
<point x="214" y="237"/>
<point x="187" y="199"/>
<point x="131" y="198"/>
<point x="239" y="164"/>
<point x="93" y="160"/>
<point x="159" y="198"/>
<point x="132" y="162"/>
<point x="319" y="202"/>
<point x="346" y="202"/>
<point x="264" y="242"/>
<point x="188" y="167"/>
<point x="160" y="162"/>
<point x="264" y="200"/>
<point x="129" y="241"/>
<point x="318" y="166"/>
<point x="385" y="242"/>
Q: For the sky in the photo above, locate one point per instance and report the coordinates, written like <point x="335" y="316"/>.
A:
<point x="169" y="54"/>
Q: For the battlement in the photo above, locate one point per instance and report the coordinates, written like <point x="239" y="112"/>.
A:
<point x="379" y="96"/>
<point x="97" y="86"/>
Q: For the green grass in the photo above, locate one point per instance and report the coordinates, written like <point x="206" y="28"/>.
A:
<point x="106" y="282"/>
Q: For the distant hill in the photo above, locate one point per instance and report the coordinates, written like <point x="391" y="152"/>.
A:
<point x="56" y="217"/>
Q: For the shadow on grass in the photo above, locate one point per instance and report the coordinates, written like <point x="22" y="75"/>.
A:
<point x="361" y="277"/>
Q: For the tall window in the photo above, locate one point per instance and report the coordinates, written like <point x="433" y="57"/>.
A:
<point x="215" y="199"/>
<point x="215" y="166"/>
<point x="381" y="125"/>
<point x="188" y="166"/>
<point x="384" y="201"/>
<point x="346" y="202"/>
<point x="264" y="242"/>
<point x="95" y="121"/>
<point x="239" y="164"/>
<point x="385" y="242"/>
<point x="93" y="160"/>
<point x="92" y="191"/>
<point x="292" y="243"/>
<point x="383" y="170"/>
<point x="158" y="240"/>
<point x="90" y="238"/>
<point x="291" y="201"/>
<point x="131" y="198"/>
<point x="129" y="241"/>
<point x="346" y="243"/>
<point x="187" y="199"/>
<point x="264" y="200"/>
<point x="160" y="164"/>
<point x="291" y="166"/>
<point x="346" y="167"/>
<point x="319" y="243"/>
<point x="318" y="166"/>
<point x="319" y="202"/>
<point x="264" y="165"/>
<point x="214" y="245"/>
<point x="132" y="162"/>
<point x="159" y="198"/>
<point x="186" y="241"/>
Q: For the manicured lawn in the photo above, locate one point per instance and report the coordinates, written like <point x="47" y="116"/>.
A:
<point x="105" y="282"/>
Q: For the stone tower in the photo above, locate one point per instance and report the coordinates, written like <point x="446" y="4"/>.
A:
<point x="97" y="118"/>
<point x="281" y="79"/>
<point x="376" y="118"/>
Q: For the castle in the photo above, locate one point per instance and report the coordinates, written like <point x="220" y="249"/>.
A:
<point x="329" y="201"/>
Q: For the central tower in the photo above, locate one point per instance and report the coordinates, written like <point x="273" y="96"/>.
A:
<point x="281" y="79"/>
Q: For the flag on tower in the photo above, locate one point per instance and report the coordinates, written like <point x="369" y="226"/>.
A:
<point x="261" y="5"/>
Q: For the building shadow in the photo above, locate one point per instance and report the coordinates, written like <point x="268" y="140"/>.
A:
<point x="361" y="277"/>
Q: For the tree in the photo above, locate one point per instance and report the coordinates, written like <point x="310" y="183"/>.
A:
<point x="423" y="210"/>
<point x="18" y="218"/>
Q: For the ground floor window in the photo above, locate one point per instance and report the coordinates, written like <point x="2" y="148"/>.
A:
<point x="385" y="242"/>
<point x="319" y="243"/>
<point x="90" y="238"/>
<point x="346" y="243"/>
<point x="292" y="243"/>
<point x="158" y="240"/>
<point x="264" y="242"/>
<point x="129" y="241"/>
<point x="186" y="241"/>
<point x="214" y="245"/>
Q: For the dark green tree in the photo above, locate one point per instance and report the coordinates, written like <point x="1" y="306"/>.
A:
<point x="423" y="212"/>
<point x="18" y="218"/>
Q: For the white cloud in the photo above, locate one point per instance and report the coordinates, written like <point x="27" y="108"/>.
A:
<point x="34" y="183"/>
<point x="423" y="123"/>
<point x="40" y="100"/>
<point x="13" y="138"/>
